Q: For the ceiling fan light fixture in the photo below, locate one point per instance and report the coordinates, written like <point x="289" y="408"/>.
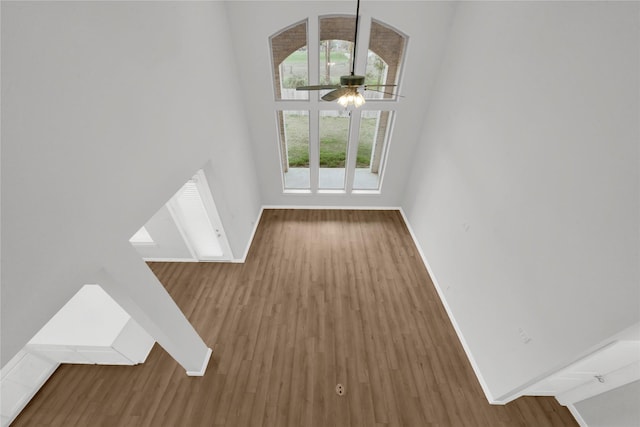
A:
<point x="346" y="93"/>
<point x="354" y="99"/>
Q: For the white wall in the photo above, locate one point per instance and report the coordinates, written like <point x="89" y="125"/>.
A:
<point x="238" y="201"/>
<point x="253" y="22"/>
<point x="616" y="408"/>
<point x="168" y="243"/>
<point x="524" y="193"/>
<point x="107" y="109"/>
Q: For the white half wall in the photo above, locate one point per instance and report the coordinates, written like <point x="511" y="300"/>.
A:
<point x="524" y="193"/>
<point x="108" y="108"/>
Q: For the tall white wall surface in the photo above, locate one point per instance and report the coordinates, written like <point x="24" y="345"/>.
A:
<point x="615" y="408"/>
<point x="107" y="109"/>
<point x="168" y="243"/>
<point x="524" y="194"/>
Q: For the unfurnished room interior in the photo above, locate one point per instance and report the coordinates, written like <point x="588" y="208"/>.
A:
<point x="320" y="213"/>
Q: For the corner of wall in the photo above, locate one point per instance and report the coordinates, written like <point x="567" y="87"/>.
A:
<point x="485" y="388"/>
<point x="251" y="237"/>
<point x="581" y="422"/>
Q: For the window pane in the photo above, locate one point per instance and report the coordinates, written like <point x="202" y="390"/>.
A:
<point x="377" y="71"/>
<point x="294" y="146"/>
<point x="293" y="73"/>
<point x="335" y="60"/>
<point x="334" y="135"/>
<point x="336" y="49"/>
<point x="374" y="131"/>
<point x="290" y="62"/>
<point x="384" y="58"/>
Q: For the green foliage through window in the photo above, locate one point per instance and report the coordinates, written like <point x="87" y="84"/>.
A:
<point x="332" y="154"/>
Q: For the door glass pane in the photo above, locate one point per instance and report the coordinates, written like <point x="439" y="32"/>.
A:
<point x="372" y="141"/>
<point x="334" y="135"/>
<point x="294" y="146"/>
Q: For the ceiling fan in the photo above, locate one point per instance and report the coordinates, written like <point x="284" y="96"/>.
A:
<point x="347" y="91"/>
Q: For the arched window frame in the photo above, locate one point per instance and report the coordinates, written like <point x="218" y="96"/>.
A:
<point x="375" y="36"/>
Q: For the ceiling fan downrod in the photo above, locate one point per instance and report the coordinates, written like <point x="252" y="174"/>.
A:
<point x="355" y="39"/>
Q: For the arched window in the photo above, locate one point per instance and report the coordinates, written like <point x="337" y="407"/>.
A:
<point x="386" y="50"/>
<point x="377" y="73"/>
<point x="323" y="147"/>
<point x="290" y="60"/>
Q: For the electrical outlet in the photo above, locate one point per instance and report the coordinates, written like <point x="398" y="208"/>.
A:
<point x="524" y="336"/>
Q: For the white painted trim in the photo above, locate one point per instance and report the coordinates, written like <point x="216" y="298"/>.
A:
<point x="202" y="186"/>
<point x="202" y="370"/>
<point x="172" y="212"/>
<point x="259" y="218"/>
<point x="147" y="245"/>
<point x="465" y="346"/>
<point x="251" y="237"/>
<point x="294" y="190"/>
<point x="577" y="416"/>
<point x="235" y="260"/>
<point x="343" y="208"/>
<point x="611" y="380"/>
<point x="12" y="367"/>
<point x="352" y="149"/>
<point x="12" y="363"/>
<point x="366" y="192"/>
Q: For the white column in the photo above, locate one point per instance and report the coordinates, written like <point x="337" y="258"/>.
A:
<point x="133" y="285"/>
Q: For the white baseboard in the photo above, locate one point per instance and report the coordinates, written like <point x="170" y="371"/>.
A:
<point x="20" y="380"/>
<point x="337" y="208"/>
<point x="203" y="369"/>
<point x="257" y="222"/>
<point x="251" y="237"/>
<point x="264" y="207"/>
<point x="152" y="259"/>
<point x="577" y="416"/>
<point x="465" y="346"/>
<point x="234" y="260"/>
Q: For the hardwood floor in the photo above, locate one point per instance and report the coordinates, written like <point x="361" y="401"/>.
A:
<point x="325" y="297"/>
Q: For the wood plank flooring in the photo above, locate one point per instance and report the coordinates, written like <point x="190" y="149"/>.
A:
<point x="325" y="297"/>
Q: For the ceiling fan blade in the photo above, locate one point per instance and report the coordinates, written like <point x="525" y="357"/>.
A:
<point x="366" y="86"/>
<point x="386" y="93"/>
<point x="318" y="87"/>
<point x="335" y="94"/>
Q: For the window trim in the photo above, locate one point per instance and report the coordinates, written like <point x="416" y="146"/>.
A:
<point x="314" y="105"/>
